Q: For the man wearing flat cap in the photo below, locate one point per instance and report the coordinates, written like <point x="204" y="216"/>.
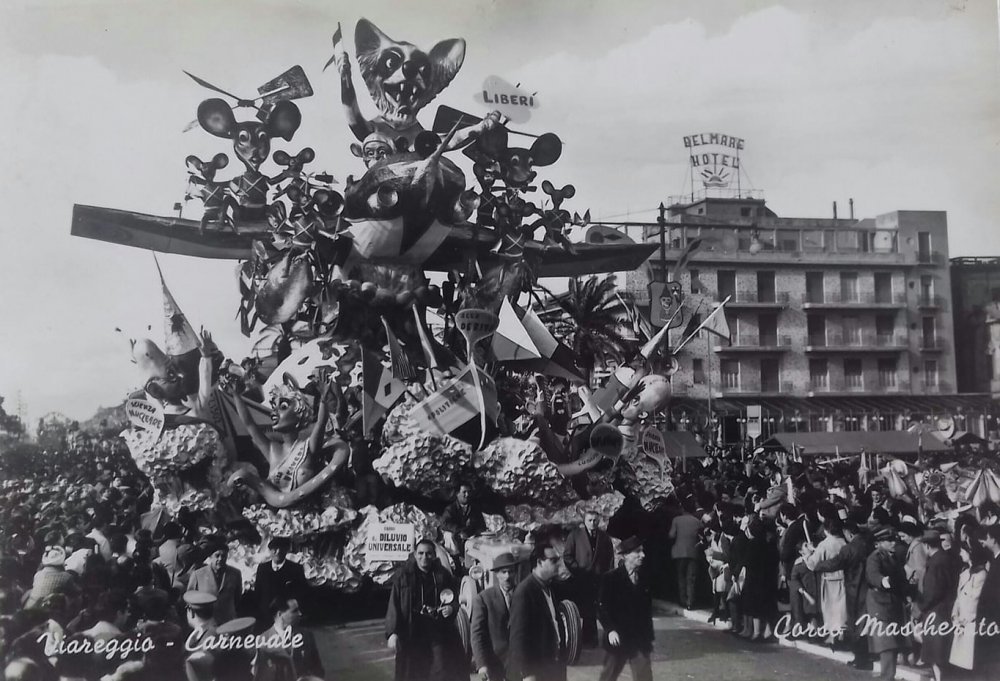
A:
<point x="491" y="620"/>
<point x="625" y="609"/>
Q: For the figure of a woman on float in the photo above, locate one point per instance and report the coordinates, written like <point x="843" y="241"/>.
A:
<point x="293" y="446"/>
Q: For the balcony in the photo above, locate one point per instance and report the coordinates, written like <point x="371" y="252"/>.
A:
<point x="932" y="345"/>
<point x="929" y="302"/>
<point x="835" y="300"/>
<point x="825" y="386"/>
<point x="863" y="342"/>
<point x="939" y="388"/>
<point x="755" y="343"/>
<point x="753" y="300"/>
<point x="928" y="258"/>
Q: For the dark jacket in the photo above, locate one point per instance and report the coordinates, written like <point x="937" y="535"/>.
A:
<point x="276" y="663"/>
<point x="626" y="608"/>
<point x="467" y="522"/>
<point x="534" y="641"/>
<point x="937" y="594"/>
<point x="419" y="633"/>
<point x="582" y="556"/>
<point x="851" y="560"/>
<point x="885" y="604"/>
<point x="288" y="582"/>
<point x="490" y="631"/>
<point x="789" y="541"/>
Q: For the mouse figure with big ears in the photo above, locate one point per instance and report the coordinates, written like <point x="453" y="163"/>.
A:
<point x="252" y="144"/>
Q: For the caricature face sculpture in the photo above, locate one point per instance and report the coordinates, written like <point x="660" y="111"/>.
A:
<point x="169" y="378"/>
<point x="290" y="410"/>
<point x="652" y="395"/>
<point x="401" y="78"/>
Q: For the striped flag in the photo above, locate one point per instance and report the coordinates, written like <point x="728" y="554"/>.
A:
<point x="338" y="47"/>
<point x="380" y="390"/>
<point x="401" y="367"/>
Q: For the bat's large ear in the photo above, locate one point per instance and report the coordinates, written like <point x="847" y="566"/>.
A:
<point x="368" y="38"/>
<point x="283" y="120"/>
<point x="446" y="59"/>
<point x="216" y="117"/>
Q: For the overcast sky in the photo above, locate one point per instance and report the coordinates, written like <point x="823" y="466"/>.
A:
<point x="896" y="104"/>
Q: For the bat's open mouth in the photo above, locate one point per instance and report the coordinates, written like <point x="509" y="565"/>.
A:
<point x="405" y="96"/>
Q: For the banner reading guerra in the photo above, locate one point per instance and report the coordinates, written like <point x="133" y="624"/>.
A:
<point x="390" y="541"/>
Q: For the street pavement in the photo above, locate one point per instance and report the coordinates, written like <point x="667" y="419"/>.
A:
<point x="684" y="649"/>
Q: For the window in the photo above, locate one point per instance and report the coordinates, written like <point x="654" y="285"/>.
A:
<point x="853" y="376"/>
<point x="852" y="330"/>
<point x="814" y="287"/>
<point x="767" y="328"/>
<point x="931" y="373"/>
<point x="883" y="287"/>
<point x="695" y="284"/>
<point x="819" y="378"/>
<point x="765" y="287"/>
<point x="885" y="327"/>
<point x="730" y="370"/>
<point x="849" y="287"/>
<point x="816" y="329"/>
<point x="769" y="375"/>
<point x="929" y="332"/>
<point x="887" y="372"/>
<point x="727" y="284"/>
<point x="926" y="290"/>
<point x="698" y="371"/>
<point x="745" y="212"/>
<point x="924" y="247"/>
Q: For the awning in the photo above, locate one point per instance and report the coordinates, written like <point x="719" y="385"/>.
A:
<point x="894" y="442"/>
<point x="682" y="444"/>
<point x="964" y="437"/>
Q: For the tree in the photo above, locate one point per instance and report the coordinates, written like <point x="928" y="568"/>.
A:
<point x="11" y="428"/>
<point x="588" y="318"/>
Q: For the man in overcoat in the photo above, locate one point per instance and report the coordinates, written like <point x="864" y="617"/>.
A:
<point x="852" y="560"/>
<point x="887" y="589"/>
<point x="491" y="620"/>
<point x="420" y="620"/>
<point x="534" y="621"/>
<point x="589" y="553"/>
<point x="626" y="612"/>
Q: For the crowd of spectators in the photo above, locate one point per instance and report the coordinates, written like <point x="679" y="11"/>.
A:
<point x="93" y="587"/>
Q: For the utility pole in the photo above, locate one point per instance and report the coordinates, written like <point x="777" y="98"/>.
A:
<point x="661" y="221"/>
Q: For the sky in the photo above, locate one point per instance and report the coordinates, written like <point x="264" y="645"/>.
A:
<point x="895" y="104"/>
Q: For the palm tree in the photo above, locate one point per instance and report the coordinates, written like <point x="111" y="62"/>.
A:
<point x="589" y="318"/>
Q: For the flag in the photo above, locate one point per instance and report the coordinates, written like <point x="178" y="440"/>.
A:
<point x="692" y="325"/>
<point x="337" y="46"/>
<point x="522" y="342"/>
<point x="401" y="367"/>
<point x="425" y="342"/>
<point x="380" y="389"/>
<point x="716" y="323"/>
<point x="454" y="409"/>
<point x="179" y="335"/>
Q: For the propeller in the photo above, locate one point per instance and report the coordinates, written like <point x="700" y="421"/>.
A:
<point x="292" y="84"/>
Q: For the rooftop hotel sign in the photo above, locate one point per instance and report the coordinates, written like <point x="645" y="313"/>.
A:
<point x="714" y="156"/>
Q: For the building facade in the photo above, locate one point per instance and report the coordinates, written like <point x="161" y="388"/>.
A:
<point x="837" y="324"/>
<point x="975" y="285"/>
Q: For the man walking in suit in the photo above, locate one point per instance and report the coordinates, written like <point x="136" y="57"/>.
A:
<point x="491" y="621"/>
<point x="220" y="580"/>
<point x="287" y="652"/>
<point x="684" y="538"/>
<point x="534" y="628"/>
<point x="589" y="554"/>
<point x="626" y="611"/>
<point x="278" y="578"/>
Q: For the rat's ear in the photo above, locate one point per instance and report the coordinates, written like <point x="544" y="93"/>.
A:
<point x="568" y="192"/>
<point x="220" y="161"/>
<point x="546" y="150"/>
<point x="216" y="117"/>
<point x="194" y="163"/>
<point x="307" y="155"/>
<point x="281" y="158"/>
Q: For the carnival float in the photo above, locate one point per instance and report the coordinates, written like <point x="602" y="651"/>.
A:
<point x="394" y="320"/>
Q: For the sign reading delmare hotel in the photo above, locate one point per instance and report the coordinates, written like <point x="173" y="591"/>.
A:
<point x="714" y="154"/>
